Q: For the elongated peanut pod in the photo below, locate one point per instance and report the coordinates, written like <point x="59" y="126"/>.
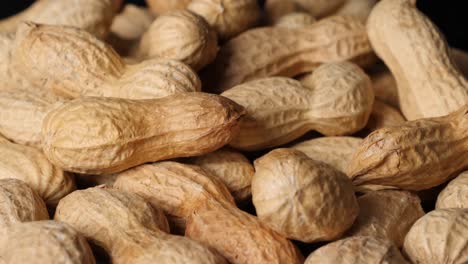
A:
<point x="335" y="100"/>
<point x="455" y="195"/>
<point x="73" y="63"/>
<point x="129" y="228"/>
<point x="357" y="249"/>
<point x="213" y="219"/>
<point x="19" y="203"/>
<point x="416" y="155"/>
<point x="44" y="242"/>
<point x="276" y="51"/>
<point x="22" y="113"/>
<point x="31" y="166"/>
<point x="334" y="151"/>
<point x="418" y="56"/>
<point x="106" y="135"/>
<point x="94" y="16"/>
<point x="228" y="17"/>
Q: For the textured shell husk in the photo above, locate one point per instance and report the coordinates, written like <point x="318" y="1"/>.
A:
<point x="73" y="63"/>
<point x="295" y="20"/>
<point x="358" y="250"/>
<point x="356" y="8"/>
<point x="419" y="58"/>
<point x="129" y="229"/>
<point x="44" y="242"/>
<point x="455" y="195"/>
<point x="301" y="198"/>
<point x="335" y="100"/>
<point x="19" y="203"/>
<point x="439" y="237"/>
<point x="296" y="51"/>
<point x="387" y="214"/>
<point x="334" y="151"/>
<point x="107" y="135"/>
<point x="416" y="155"/>
<point x="164" y="6"/>
<point x="274" y="10"/>
<point x="31" y="166"/>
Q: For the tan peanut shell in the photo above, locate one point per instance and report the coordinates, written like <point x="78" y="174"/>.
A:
<point x="387" y="214"/>
<point x="384" y="84"/>
<point x="320" y="8"/>
<point x="334" y="151"/>
<point x="439" y="237"/>
<point x="31" y="166"/>
<point x="295" y="20"/>
<point x="73" y="63"/>
<point x="275" y="9"/>
<point x="44" y="242"/>
<point x="230" y="167"/>
<point x="416" y="155"/>
<point x="357" y="250"/>
<point x="129" y="228"/>
<point x="213" y="219"/>
<point x="418" y="56"/>
<point x="164" y="6"/>
<point x="107" y="135"/>
<point x="94" y="16"/>
<point x="22" y="113"/>
<point x="455" y="195"/>
<point x="276" y="51"/>
<point x="228" y="17"/>
<point x="335" y="100"/>
<point x="19" y="203"/>
<point x="301" y="198"/>
<point x="384" y="115"/>
<point x="180" y="35"/>
<point x="356" y="8"/>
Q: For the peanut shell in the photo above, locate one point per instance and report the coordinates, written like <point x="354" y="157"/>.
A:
<point x="455" y="195"/>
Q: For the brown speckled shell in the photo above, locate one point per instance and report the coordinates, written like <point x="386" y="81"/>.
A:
<point x="31" y="166"/>
<point x="94" y="16"/>
<point x="227" y="17"/>
<point x="276" y="51"/>
<point x="387" y="214"/>
<point x="107" y="135"/>
<point x="418" y="56"/>
<point x="357" y="250"/>
<point x="301" y="198"/>
<point x="384" y="115"/>
<point x="455" y="195"/>
<point x="336" y="100"/>
<point x="19" y="203"/>
<point x="439" y="237"/>
<point x="230" y="167"/>
<point x="417" y="155"/>
<point x="44" y="242"/>
<point x="163" y="6"/>
<point x="73" y="63"/>
<point x="129" y="229"/>
<point x="295" y="20"/>
<point x="180" y="35"/>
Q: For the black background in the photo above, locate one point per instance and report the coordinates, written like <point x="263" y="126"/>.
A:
<point x="450" y="16"/>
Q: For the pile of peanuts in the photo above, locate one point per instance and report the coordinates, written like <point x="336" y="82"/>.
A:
<point x="222" y="131"/>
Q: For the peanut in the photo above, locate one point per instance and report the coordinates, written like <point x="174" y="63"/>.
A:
<point x="387" y="214"/>
<point x="418" y="56"/>
<point x="335" y="100"/>
<point x="356" y="8"/>
<point x="334" y="151"/>
<point x="385" y="87"/>
<point x="295" y="20"/>
<point x="230" y="167"/>
<point x="129" y="229"/>
<point x="416" y="155"/>
<point x="44" y="242"/>
<point x="228" y="17"/>
<point x="22" y="113"/>
<point x="301" y="198"/>
<point x="164" y="6"/>
<point x="19" y="203"/>
<point x="213" y="219"/>
<point x="455" y="195"/>
<point x="275" y="9"/>
<point x="94" y="16"/>
<point x="48" y="55"/>
<point x="384" y="115"/>
<point x="31" y="166"/>
<point x="276" y="51"/>
<point x="357" y="250"/>
<point x="320" y="8"/>
<point x="180" y="35"/>
<point x="107" y="135"/>
<point x="439" y="237"/>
